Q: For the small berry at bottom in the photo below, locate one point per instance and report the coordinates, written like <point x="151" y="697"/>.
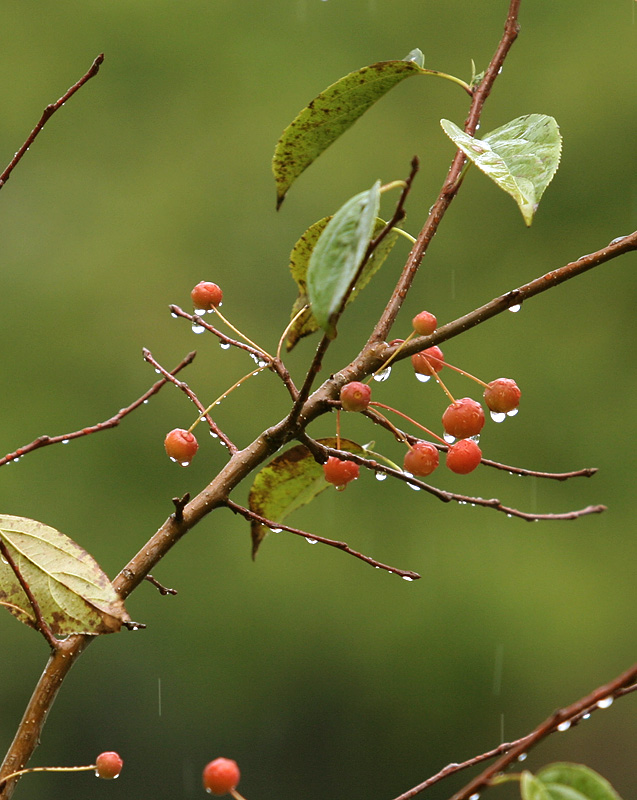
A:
<point x="428" y="361"/>
<point x="355" y="396"/>
<point x="206" y="296"/>
<point x="108" y="765"/>
<point x="502" y="395"/>
<point x="181" y="446"/>
<point x="424" y="323"/>
<point x="220" y="776"/>
<point x="464" y="456"/>
<point x="340" y="473"/>
<point x="463" y="418"/>
<point x="421" y="459"/>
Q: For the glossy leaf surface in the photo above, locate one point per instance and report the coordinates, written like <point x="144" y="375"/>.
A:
<point x="564" y="781"/>
<point x="288" y="482"/>
<point x="338" y="254"/>
<point x="73" y="593"/>
<point x="521" y="157"/>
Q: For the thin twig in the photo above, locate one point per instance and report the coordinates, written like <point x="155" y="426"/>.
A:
<point x="312" y="537"/>
<point x="44" y="441"/>
<point x="163" y="590"/>
<point x="47" y="114"/>
<point x="148" y="356"/>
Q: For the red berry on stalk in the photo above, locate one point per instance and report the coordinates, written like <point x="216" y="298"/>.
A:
<point x="502" y="395"/>
<point x="355" y="396"/>
<point x="463" y="418"/>
<point x="221" y="776"/>
<point x="181" y="446"/>
<point x="339" y="472"/>
<point x="421" y="459"/>
<point x="463" y="456"/>
<point x="108" y="765"/>
<point x="428" y="361"/>
<point x="206" y="296"/>
<point x="424" y="323"/>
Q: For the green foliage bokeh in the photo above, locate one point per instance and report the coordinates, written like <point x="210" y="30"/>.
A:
<point x="321" y="676"/>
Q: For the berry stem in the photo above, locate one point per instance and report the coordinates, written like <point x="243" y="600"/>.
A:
<point x="466" y="374"/>
<point x="392" y="356"/>
<point x="242" y="335"/>
<point x="236" y="795"/>
<point x="409" y="419"/>
<point x="287" y="330"/>
<point x="48" y="769"/>
<point x="223" y="397"/>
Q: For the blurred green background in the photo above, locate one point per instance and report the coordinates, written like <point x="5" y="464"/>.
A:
<point x="321" y="676"/>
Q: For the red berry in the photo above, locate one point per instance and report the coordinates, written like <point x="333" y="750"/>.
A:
<point x="424" y="323"/>
<point x="421" y="459"/>
<point x="206" y="296"/>
<point x="464" y="456"/>
<point x="463" y="418"/>
<point x="181" y="446"/>
<point x="355" y="396"/>
<point x="502" y="395"/>
<point x="220" y="776"/>
<point x="428" y="361"/>
<point x="108" y="765"/>
<point x="339" y="472"/>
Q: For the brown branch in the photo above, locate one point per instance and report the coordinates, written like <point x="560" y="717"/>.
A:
<point x="452" y="182"/>
<point x="47" y="114"/>
<point x="163" y="590"/>
<point x="407" y="575"/>
<point x="148" y="356"/>
<point x="44" y="441"/>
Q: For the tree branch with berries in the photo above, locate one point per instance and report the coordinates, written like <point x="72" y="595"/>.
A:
<point x="50" y="583"/>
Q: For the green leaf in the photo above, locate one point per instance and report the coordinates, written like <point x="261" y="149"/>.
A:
<point x="531" y="788"/>
<point x="338" y="254"/>
<point x="306" y="324"/>
<point x="73" y="593"/>
<point x="565" y="781"/>
<point x="288" y="482"/>
<point x="521" y="157"/>
<point x="331" y="113"/>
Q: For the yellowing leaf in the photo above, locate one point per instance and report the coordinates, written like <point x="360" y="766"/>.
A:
<point x="288" y="482"/>
<point x="74" y="595"/>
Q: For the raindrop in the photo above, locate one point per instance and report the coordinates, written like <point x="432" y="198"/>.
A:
<point x="449" y="438"/>
<point x="605" y="703"/>
<point x="65" y="441"/>
<point x="145" y="402"/>
<point x="522" y="757"/>
<point x="310" y="541"/>
<point x="172" y="459"/>
<point x="382" y="375"/>
<point x="158" y="371"/>
<point x="407" y="578"/>
<point x="173" y="315"/>
<point x="276" y="530"/>
<point x="564" y="726"/>
<point x="586" y="716"/>
<point x="197" y="328"/>
<point x="214" y="435"/>
<point x="380" y="476"/>
<point x="184" y="463"/>
<point x="225" y="345"/>
<point x="515" y="308"/>
<point x="199" y="311"/>
<point x="512" y="412"/>
<point x="422" y="378"/>
<point x="415" y="488"/>
<point x="498" y="416"/>
<point x="261" y="363"/>
<point x="475" y="796"/>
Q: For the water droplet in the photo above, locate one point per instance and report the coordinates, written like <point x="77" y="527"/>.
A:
<point x="158" y="371"/>
<point x="65" y="441"/>
<point x="276" y="530"/>
<point x="383" y="375"/>
<point x="214" y="435"/>
<point x="172" y="459"/>
<point x="184" y="463"/>
<point x="380" y="476"/>
<point x="225" y="345"/>
<point x="586" y="716"/>
<point x="412" y="486"/>
<point x="199" y="311"/>
<point x="605" y="703"/>
<point x="407" y="578"/>
<point x="498" y="416"/>
<point x="475" y="796"/>
<point x="173" y="315"/>
<point x="513" y="412"/>
<point x="197" y="328"/>
<point x="509" y="516"/>
<point x="514" y="309"/>
<point x="522" y="757"/>
<point x="564" y="726"/>
<point x="146" y="402"/>
<point x="422" y="378"/>
<point x="449" y="438"/>
<point x="310" y="541"/>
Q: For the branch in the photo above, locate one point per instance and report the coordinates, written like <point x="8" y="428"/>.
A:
<point x="407" y="575"/>
<point x="44" y="441"/>
<point x="47" y="114"/>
